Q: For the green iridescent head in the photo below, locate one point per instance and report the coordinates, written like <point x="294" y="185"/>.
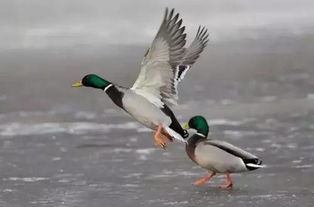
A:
<point x="93" y="81"/>
<point x="198" y="123"/>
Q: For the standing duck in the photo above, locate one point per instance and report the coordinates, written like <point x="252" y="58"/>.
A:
<point x="217" y="156"/>
<point x="163" y="67"/>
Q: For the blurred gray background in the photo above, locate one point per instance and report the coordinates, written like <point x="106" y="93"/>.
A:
<point x="61" y="146"/>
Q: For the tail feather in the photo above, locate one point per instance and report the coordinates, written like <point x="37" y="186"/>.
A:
<point x="253" y="164"/>
<point x="174" y="134"/>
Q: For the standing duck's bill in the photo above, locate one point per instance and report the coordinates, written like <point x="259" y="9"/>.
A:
<point x="162" y="68"/>
<point x="217" y="156"/>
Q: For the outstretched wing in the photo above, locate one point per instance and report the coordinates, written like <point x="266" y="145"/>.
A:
<point x="156" y="80"/>
<point x="191" y="54"/>
<point x="196" y="47"/>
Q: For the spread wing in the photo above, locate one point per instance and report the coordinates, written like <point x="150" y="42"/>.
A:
<point x="196" y="47"/>
<point x="191" y="54"/>
<point x="156" y="80"/>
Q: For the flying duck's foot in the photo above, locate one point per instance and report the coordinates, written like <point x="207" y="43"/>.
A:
<point x="229" y="183"/>
<point x="204" y="179"/>
<point x="158" y="137"/>
<point x="165" y="134"/>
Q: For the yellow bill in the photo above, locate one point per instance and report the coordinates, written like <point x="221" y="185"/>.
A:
<point x="186" y="126"/>
<point x="77" y="84"/>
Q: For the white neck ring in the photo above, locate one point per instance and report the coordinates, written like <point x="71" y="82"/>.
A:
<point x="107" y="87"/>
<point x="199" y="134"/>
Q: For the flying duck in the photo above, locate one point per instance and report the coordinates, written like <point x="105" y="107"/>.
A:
<point x="164" y="65"/>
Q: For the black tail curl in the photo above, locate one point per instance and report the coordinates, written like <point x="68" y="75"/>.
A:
<point x="256" y="163"/>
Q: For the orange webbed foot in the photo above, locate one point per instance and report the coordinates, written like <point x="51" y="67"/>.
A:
<point x="167" y="136"/>
<point x="205" y="179"/>
<point x="229" y="183"/>
<point x="226" y="186"/>
<point x="158" y="138"/>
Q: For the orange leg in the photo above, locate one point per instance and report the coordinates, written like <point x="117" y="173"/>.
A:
<point x="204" y="179"/>
<point x="158" y="137"/>
<point x="167" y="135"/>
<point x="229" y="183"/>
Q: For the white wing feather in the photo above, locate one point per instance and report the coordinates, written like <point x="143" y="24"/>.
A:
<point x="167" y="61"/>
<point x="156" y="78"/>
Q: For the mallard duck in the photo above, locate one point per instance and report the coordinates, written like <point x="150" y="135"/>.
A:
<point x="155" y="90"/>
<point x="217" y="156"/>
